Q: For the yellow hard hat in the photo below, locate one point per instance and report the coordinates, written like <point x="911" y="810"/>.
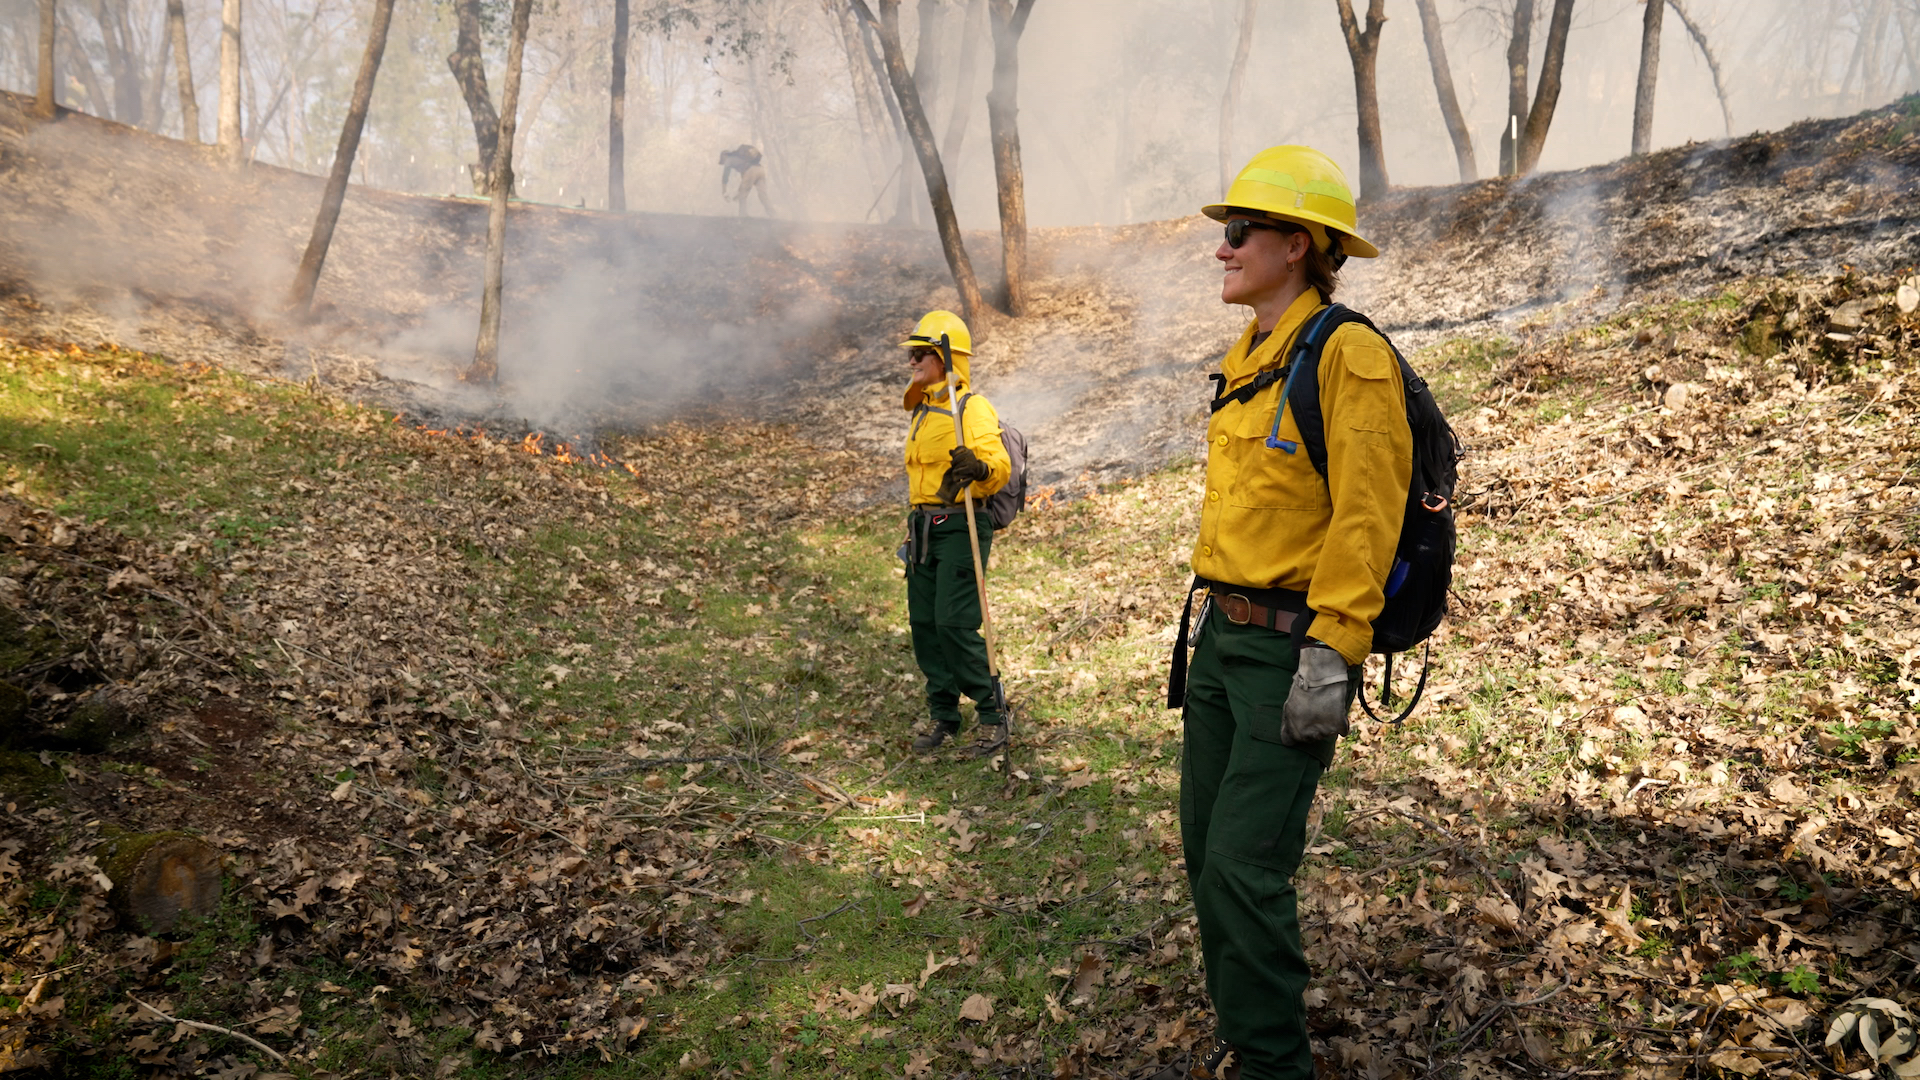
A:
<point x="1298" y="184"/>
<point x="935" y="323"/>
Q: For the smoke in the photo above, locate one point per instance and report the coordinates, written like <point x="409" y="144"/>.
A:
<point x="608" y="321"/>
<point x="1119" y="99"/>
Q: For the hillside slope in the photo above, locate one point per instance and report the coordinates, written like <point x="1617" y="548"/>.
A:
<point x="617" y="322"/>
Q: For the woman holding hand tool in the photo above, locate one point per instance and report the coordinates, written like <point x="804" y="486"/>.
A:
<point x="951" y="469"/>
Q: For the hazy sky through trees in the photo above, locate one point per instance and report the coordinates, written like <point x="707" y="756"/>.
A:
<point x="1119" y="98"/>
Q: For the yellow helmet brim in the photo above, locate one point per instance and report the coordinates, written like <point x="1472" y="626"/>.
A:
<point x="917" y="341"/>
<point x="1319" y="224"/>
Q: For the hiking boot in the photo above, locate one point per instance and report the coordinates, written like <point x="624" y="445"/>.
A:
<point x="934" y="736"/>
<point x="988" y="739"/>
<point x="1220" y="1062"/>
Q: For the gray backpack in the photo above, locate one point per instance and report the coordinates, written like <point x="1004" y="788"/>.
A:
<point x="1004" y="504"/>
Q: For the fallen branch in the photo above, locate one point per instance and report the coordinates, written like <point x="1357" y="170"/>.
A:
<point x="802" y="923"/>
<point x="1486" y="1019"/>
<point x="276" y="1055"/>
<point x="1456" y="843"/>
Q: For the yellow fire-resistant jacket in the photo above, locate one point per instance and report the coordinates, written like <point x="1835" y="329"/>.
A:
<point x="930" y="441"/>
<point x="1269" y="521"/>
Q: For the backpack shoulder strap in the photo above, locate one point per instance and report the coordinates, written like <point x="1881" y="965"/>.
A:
<point x="1305" y="393"/>
<point x="1265" y="378"/>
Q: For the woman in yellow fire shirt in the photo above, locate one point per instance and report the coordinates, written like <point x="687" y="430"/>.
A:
<point x="1290" y="572"/>
<point x="943" y="598"/>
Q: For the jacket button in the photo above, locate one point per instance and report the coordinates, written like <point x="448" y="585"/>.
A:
<point x="1223" y="440"/>
<point x="1206" y="549"/>
<point x="1213" y="496"/>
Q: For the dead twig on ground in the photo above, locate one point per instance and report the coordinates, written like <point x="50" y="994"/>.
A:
<point x="1485" y="1020"/>
<point x="802" y="923"/>
<point x="276" y="1055"/>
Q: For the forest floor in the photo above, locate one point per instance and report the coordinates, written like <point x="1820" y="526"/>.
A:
<point x="523" y="765"/>
<point x="516" y="761"/>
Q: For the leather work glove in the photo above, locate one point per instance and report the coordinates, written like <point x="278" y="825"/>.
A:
<point x="966" y="469"/>
<point x="1317" y="705"/>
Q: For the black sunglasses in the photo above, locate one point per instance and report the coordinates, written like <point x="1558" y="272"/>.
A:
<point x="1237" y="230"/>
<point x="917" y="354"/>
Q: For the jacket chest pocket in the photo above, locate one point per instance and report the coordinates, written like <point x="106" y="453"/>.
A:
<point x="1263" y="476"/>
<point x="932" y="440"/>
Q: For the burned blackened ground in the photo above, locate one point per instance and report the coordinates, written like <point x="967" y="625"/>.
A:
<point x="615" y="323"/>
<point x="1817" y="198"/>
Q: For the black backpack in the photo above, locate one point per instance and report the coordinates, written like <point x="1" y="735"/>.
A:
<point x="1416" y="590"/>
<point x="1003" y="505"/>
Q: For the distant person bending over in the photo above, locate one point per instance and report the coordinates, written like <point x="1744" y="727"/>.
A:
<point x="1289" y="574"/>
<point x="943" y="597"/>
<point x="745" y="160"/>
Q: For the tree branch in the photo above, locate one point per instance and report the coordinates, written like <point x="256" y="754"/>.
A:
<point x="1700" y="39"/>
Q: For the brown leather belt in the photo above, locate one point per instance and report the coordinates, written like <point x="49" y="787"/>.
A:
<point x="1241" y="611"/>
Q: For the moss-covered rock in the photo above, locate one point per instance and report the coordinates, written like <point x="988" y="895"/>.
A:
<point x="95" y="727"/>
<point x="160" y="877"/>
<point x="13" y="712"/>
<point x="1761" y="337"/>
<point x="21" y="645"/>
<point x="24" y="779"/>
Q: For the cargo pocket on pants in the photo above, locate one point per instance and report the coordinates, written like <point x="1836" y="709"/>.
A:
<point x="1265" y="724"/>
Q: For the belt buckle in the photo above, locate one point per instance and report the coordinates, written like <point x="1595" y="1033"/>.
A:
<point x="1245" y="606"/>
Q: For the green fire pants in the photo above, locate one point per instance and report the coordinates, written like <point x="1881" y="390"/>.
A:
<point x="1244" y="800"/>
<point x="943" y="610"/>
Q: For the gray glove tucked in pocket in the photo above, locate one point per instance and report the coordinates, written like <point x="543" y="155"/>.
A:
<point x="1317" y="705"/>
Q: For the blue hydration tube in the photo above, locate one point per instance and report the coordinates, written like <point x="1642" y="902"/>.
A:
<point x="1274" y="441"/>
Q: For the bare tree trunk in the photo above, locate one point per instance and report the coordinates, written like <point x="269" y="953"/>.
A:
<point x="470" y="71"/>
<point x="229" y="138"/>
<point x="1519" y="52"/>
<point x="859" y="74"/>
<point x="1909" y="39"/>
<point x="1879" y="78"/>
<point x="1649" y="76"/>
<point x="1009" y="21"/>
<point x="153" y="90"/>
<point x="1546" y="95"/>
<point x="1862" y="45"/>
<point x="1713" y="65"/>
<point x="486" y="350"/>
<point x="1364" y="47"/>
<point x="43" y="102"/>
<point x="183" y="68"/>
<point x="1123" y="155"/>
<point x="904" y="144"/>
<point x="926" y="81"/>
<point x="1236" y="77"/>
<point x="972" y="306"/>
<point x="1443" y="86"/>
<point x="300" y="300"/>
<point x="971" y="31"/>
<point x="617" y="114"/>
<point x="558" y="69"/>
<point x="114" y="38"/>
<point x="258" y="121"/>
<point x="98" y="102"/>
